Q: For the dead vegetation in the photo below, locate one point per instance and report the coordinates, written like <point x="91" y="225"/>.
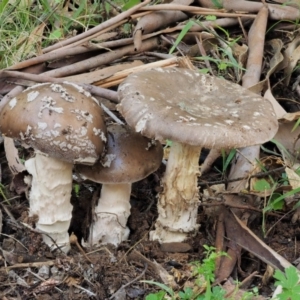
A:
<point x="248" y="209"/>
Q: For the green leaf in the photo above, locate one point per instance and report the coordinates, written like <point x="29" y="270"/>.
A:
<point x="296" y="125"/>
<point x="56" y="34"/>
<point x="160" y="285"/>
<point x="3" y="4"/>
<point x="130" y="4"/>
<point x="217" y="3"/>
<point x="282" y="197"/>
<point x="210" y="18"/>
<point x="288" y="280"/>
<point x="204" y="71"/>
<point x="181" y="35"/>
<point x="227" y="160"/>
<point x="262" y="185"/>
<point x="157" y="296"/>
<point x="187" y="294"/>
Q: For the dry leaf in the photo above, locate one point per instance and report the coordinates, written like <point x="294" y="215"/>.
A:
<point x="276" y="46"/>
<point x="70" y="281"/>
<point x="288" y="143"/>
<point x="278" y="109"/>
<point x="293" y="177"/>
<point x="291" y="57"/>
<point x="27" y="45"/>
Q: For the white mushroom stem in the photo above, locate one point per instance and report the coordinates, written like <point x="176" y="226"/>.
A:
<point x="111" y="214"/>
<point x="178" y="203"/>
<point x="49" y="198"/>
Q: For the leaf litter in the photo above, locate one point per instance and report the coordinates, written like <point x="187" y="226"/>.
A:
<point x="232" y="43"/>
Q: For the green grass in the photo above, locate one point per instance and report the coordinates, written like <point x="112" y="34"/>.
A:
<point x="27" y="26"/>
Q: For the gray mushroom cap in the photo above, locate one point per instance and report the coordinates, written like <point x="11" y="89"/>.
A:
<point x="197" y="109"/>
<point x="61" y="120"/>
<point x="130" y="157"/>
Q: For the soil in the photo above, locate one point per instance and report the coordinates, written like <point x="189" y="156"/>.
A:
<point x="29" y="270"/>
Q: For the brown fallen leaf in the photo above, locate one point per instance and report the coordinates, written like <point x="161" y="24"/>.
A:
<point x="244" y="237"/>
<point x="246" y="158"/>
<point x="291" y="57"/>
<point x="288" y="143"/>
<point x="275" y="47"/>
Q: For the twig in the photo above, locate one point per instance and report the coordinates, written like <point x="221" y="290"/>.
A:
<point x="258" y="175"/>
<point x="195" y="10"/>
<point x="203" y="53"/>
<point x="29" y="265"/>
<point x="96" y="90"/>
<point x="85" y="290"/>
<point x="238" y="286"/>
<point x="116" y="7"/>
<point x="130" y="282"/>
<point x="42" y="279"/>
<point x="98" y="28"/>
<point x="74" y="240"/>
<point x="11" y="237"/>
<point x="112" y="115"/>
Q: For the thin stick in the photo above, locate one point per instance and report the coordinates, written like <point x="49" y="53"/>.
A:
<point x="108" y="23"/>
<point x="74" y="240"/>
<point x="112" y="115"/>
<point x="107" y="94"/>
<point x="121" y="75"/>
<point x="43" y="280"/>
<point x="29" y="265"/>
<point x="129" y="283"/>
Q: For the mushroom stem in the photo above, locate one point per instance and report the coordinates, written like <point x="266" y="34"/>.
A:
<point x="178" y="203"/>
<point x="112" y="212"/>
<point x="49" y="198"/>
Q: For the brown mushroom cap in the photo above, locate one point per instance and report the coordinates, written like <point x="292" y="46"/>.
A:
<point x="130" y="157"/>
<point x="61" y="120"/>
<point x="196" y="109"/>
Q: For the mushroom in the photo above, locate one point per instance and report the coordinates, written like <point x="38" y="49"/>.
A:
<point x="193" y="110"/>
<point x="130" y="157"/>
<point x="65" y="126"/>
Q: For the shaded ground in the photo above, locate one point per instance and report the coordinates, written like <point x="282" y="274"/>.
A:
<point x="104" y="271"/>
<point x="29" y="270"/>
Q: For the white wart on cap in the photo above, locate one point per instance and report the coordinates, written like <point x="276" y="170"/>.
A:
<point x="196" y="109"/>
<point x="65" y="125"/>
<point x="192" y="110"/>
<point x="61" y="120"/>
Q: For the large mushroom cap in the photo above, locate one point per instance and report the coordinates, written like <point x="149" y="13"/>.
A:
<point x="130" y="157"/>
<point x="196" y="109"/>
<point x="61" y="120"/>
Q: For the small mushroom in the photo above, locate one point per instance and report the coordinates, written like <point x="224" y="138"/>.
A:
<point x="192" y="110"/>
<point x="65" y="126"/>
<point x="130" y="157"/>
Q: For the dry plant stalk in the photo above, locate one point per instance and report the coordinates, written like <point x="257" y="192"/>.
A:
<point x="157" y="20"/>
<point x="105" y="58"/>
<point x="118" y="77"/>
<point x="98" y="28"/>
<point x="256" y="43"/>
<point x="246" y="157"/>
<point x="276" y="12"/>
